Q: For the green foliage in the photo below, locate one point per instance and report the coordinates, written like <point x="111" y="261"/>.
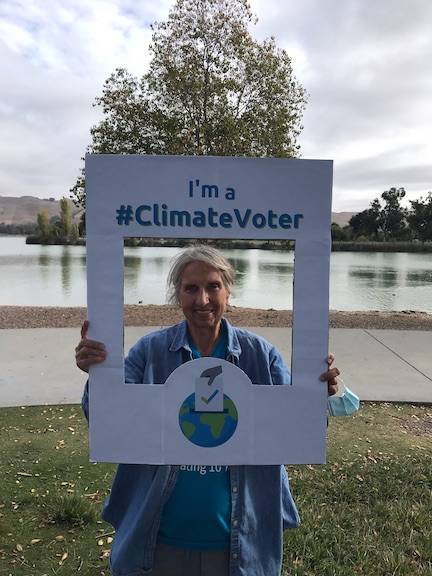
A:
<point x="388" y="222"/>
<point x="78" y="190"/>
<point x="44" y="222"/>
<point x="74" y="235"/>
<point x="339" y="234"/>
<point x="63" y="231"/>
<point x="72" y="509"/>
<point x="366" y="223"/>
<point x="392" y="217"/>
<point x="211" y="90"/>
<point x="18" y="229"/>
<point x="51" y="495"/>
<point x="366" y="512"/>
<point x="361" y="244"/>
<point x="65" y="222"/>
<point x="420" y="218"/>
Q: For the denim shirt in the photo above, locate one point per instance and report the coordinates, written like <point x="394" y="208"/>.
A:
<point x="261" y="503"/>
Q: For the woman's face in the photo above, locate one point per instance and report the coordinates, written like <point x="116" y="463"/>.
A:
<point x="203" y="296"/>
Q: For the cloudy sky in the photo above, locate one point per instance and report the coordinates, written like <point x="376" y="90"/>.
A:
<point x="366" y="64"/>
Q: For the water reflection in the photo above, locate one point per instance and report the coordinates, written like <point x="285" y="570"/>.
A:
<point x="132" y="269"/>
<point x="66" y="263"/>
<point x="44" y="266"/>
<point x="275" y="268"/>
<point x="56" y="276"/>
<point x="239" y="263"/>
<point x="241" y="266"/>
<point x="386" y="278"/>
<point x="44" y="260"/>
<point x="419" y="277"/>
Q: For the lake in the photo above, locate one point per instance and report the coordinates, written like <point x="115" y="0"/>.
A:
<point x="34" y="275"/>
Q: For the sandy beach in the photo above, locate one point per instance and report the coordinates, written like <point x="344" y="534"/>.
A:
<point x="13" y="317"/>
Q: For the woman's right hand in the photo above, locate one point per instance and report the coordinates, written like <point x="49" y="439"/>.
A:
<point x="88" y="352"/>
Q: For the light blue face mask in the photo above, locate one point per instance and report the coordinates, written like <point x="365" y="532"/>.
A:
<point x="343" y="403"/>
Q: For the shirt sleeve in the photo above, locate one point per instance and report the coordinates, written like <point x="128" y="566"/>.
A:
<point x="279" y="370"/>
<point x="135" y="362"/>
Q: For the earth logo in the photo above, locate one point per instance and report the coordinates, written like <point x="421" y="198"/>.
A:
<point x="208" y="429"/>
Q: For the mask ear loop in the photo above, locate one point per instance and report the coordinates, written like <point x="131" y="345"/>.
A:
<point x="341" y="389"/>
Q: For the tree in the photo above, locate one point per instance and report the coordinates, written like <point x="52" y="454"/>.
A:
<point x="393" y="215"/>
<point x="44" y="222"/>
<point x="367" y="223"/>
<point x="65" y="223"/>
<point x="74" y="235"/>
<point x="420" y="217"/>
<point x="210" y="90"/>
<point x="339" y="234"/>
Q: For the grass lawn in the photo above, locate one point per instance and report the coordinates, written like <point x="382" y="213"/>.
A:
<point x="368" y="511"/>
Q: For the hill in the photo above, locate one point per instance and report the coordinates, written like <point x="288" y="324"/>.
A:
<point x="24" y="210"/>
<point x="342" y="218"/>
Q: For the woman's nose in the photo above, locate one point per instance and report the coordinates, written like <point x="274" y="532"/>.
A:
<point x="202" y="296"/>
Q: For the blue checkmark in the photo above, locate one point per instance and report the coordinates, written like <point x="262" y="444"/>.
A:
<point x="207" y="401"/>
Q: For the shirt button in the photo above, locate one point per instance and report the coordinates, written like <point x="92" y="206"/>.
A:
<point x="235" y="522"/>
<point x="235" y="556"/>
<point x="235" y="489"/>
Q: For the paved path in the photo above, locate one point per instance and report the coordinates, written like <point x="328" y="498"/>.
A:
<point x="37" y="366"/>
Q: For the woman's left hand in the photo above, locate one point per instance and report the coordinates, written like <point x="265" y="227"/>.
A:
<point x="330" y="376"/>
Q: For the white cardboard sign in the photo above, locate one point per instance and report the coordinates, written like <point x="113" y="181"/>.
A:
<point x="208" y="197"/>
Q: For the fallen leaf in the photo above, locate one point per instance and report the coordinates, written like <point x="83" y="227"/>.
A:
<point x="35" y="541"/>
<point x="94" y="496"/>
<point x="19" y="547"/>
<point x="59" y="538"/>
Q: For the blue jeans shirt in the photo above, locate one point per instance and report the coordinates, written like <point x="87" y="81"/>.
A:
<point x="261" y="503"/>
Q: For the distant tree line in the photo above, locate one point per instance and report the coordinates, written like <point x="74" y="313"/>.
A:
<point x="389" y="221"/>
<point x="61" y="231"/>
<point x="385" y="222"/>
<point x="18" y="229"/>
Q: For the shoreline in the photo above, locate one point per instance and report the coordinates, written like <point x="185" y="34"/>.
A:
<point x="25" y="317"/>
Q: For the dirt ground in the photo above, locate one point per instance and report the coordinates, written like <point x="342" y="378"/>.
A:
<point x="152" y="315"/>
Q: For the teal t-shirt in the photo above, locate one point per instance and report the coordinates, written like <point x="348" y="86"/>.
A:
<point x="197" y="514"/>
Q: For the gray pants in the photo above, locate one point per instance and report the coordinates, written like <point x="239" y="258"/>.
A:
<point x="170" y="561"/>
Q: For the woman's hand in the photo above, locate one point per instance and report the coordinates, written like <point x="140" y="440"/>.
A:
<point x="88" y="352"/>
<point x="330" y="376"/>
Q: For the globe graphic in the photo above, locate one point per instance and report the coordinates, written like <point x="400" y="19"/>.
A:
<point x="208" y="429"/>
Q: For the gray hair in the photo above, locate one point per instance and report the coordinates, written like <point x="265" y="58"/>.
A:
<point x="200" y="253"/>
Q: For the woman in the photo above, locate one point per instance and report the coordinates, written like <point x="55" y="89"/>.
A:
<point x="199" y="520"/>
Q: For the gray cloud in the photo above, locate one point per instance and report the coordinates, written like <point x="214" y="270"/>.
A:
<point x="367" y="66"/>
